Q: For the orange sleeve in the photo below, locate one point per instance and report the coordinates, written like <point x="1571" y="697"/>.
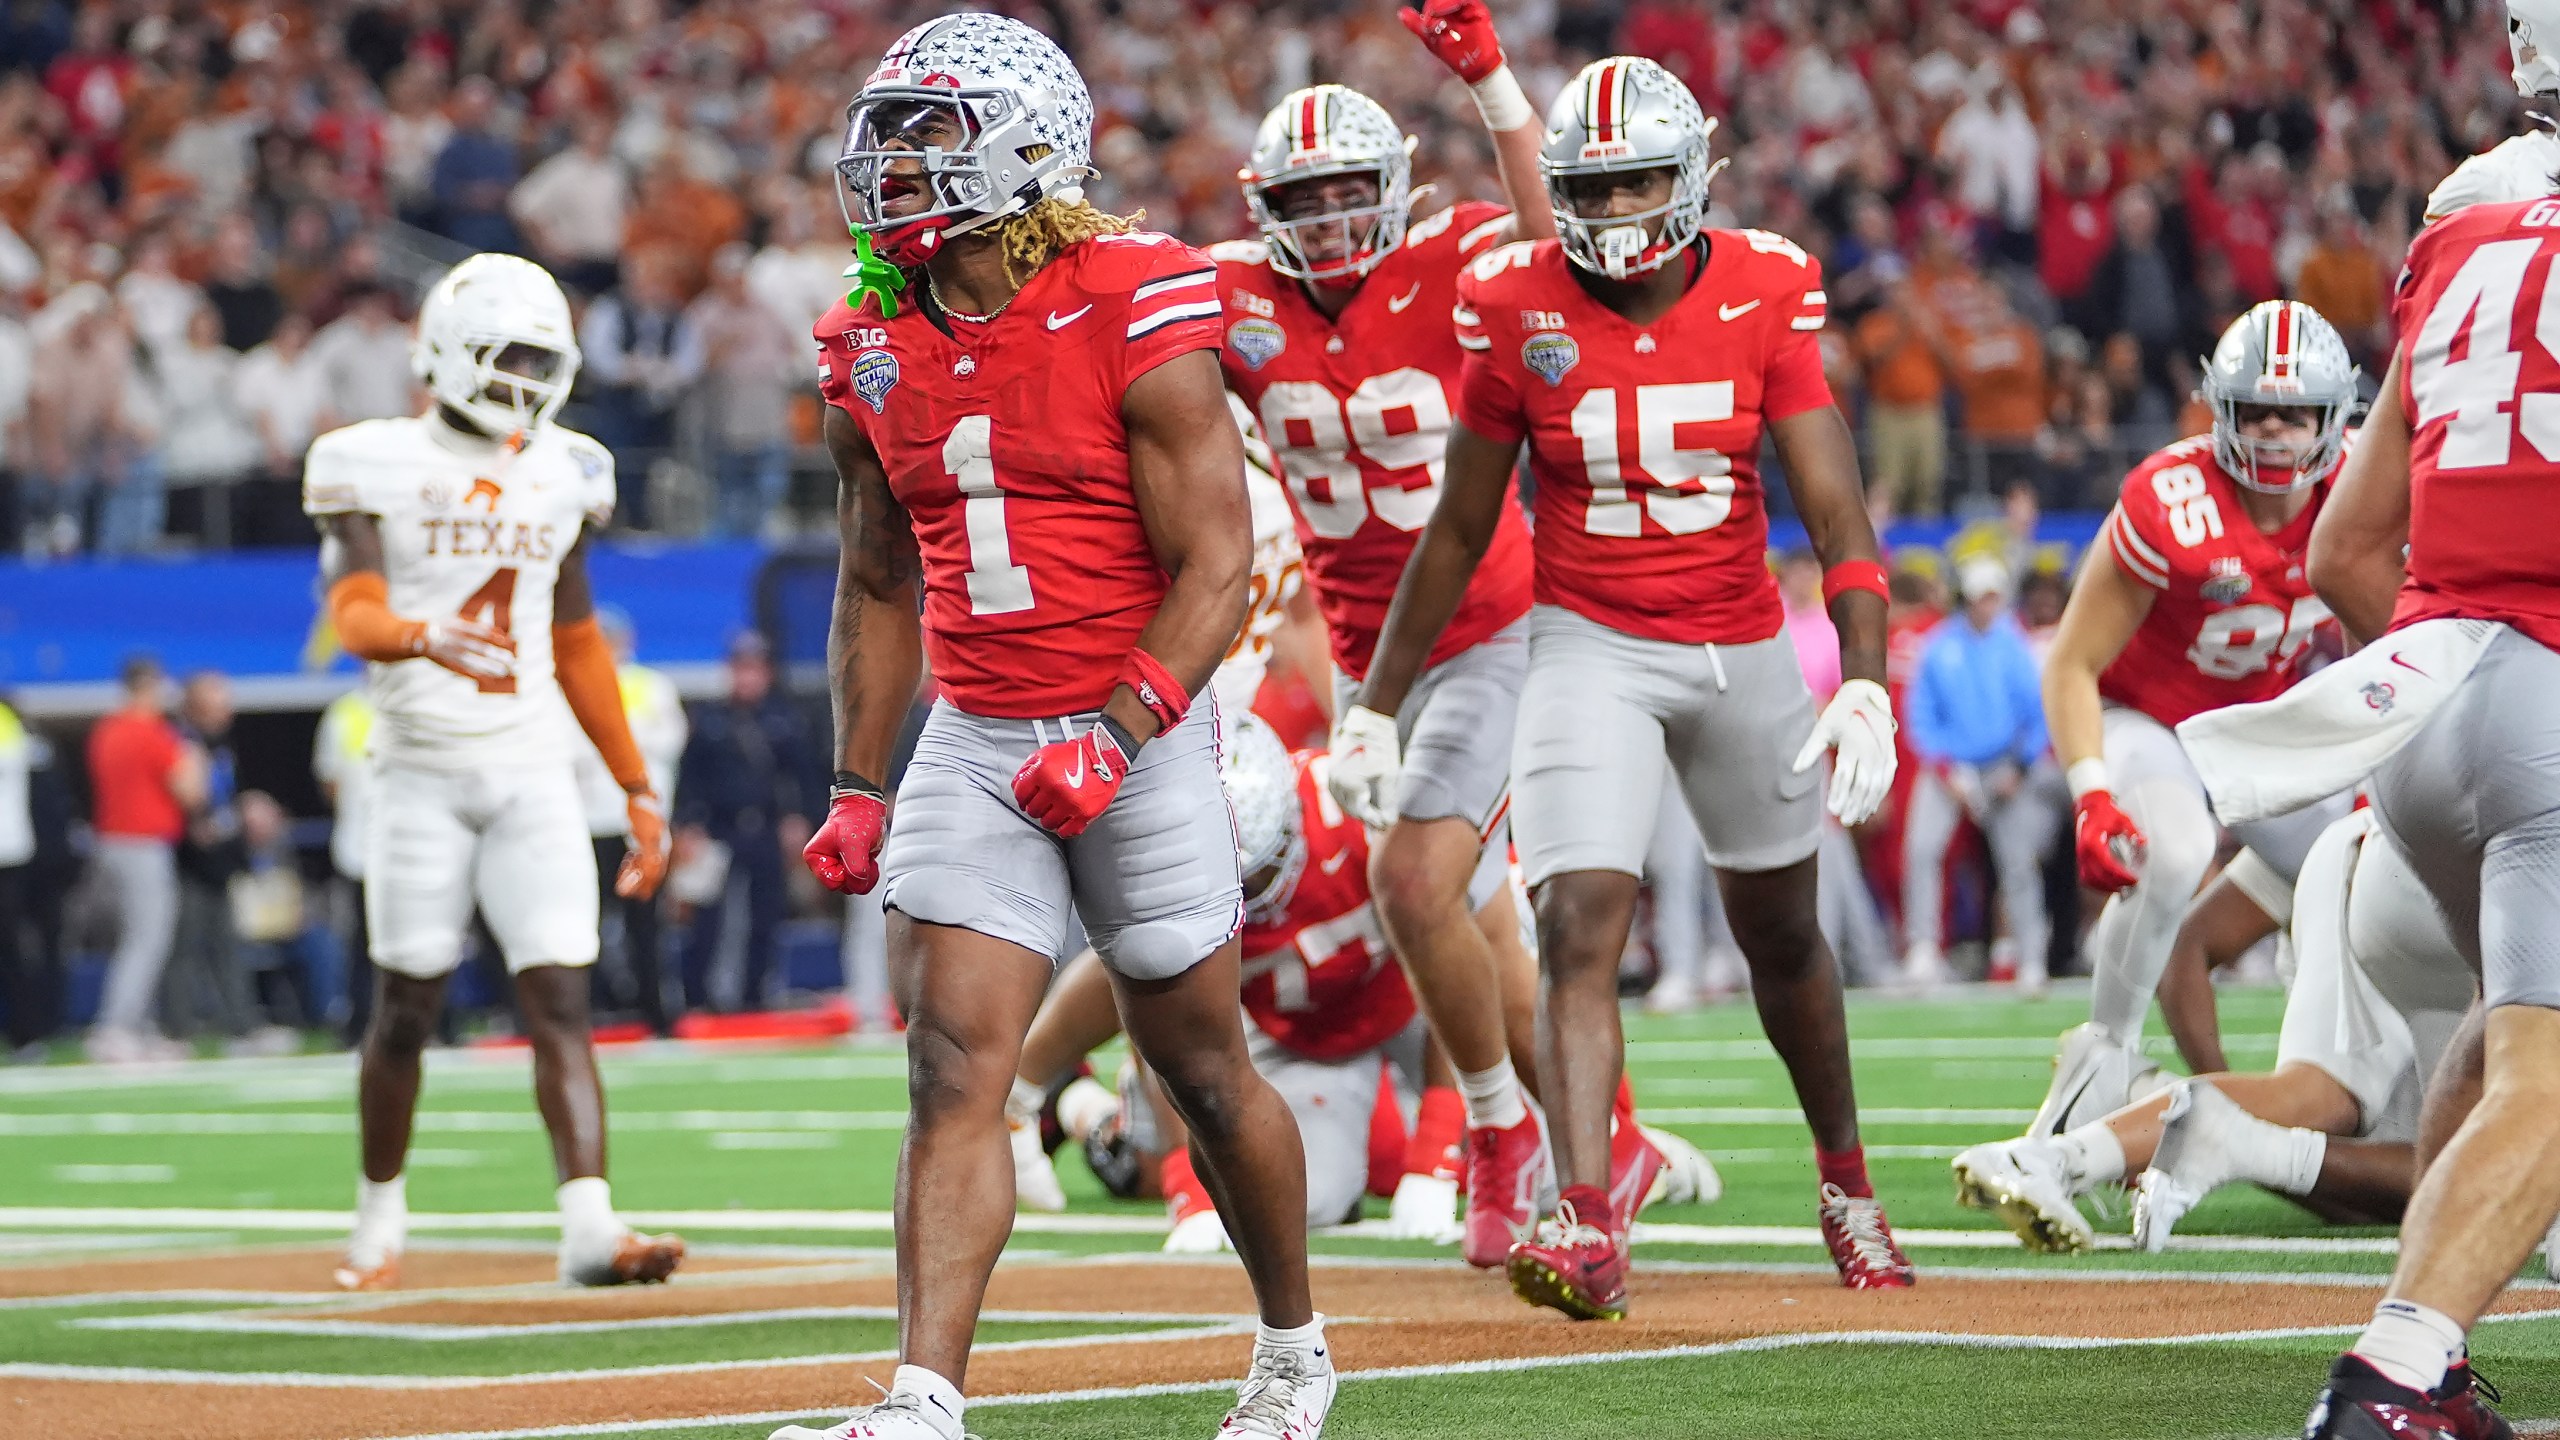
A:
<point x="584" y="663"/>
<point x="360" y="611"/>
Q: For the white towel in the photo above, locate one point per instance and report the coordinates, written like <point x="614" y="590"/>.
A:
<point x="2335" y="728"/>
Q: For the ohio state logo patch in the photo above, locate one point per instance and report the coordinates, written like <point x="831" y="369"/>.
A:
<point x="1256" y="341"/>
<point x="875" y="373"/>
<point x="1550" y="356"/>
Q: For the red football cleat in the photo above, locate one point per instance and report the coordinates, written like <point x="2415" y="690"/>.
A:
<point x="2361" y="1403"/>
<point x="2465" y="1399"/>
<point x="1862" y="1243"/>
<point x="1509" y="1174"/>
<point x="1572" y="1267"/>
<point x="1633" y="1165"/>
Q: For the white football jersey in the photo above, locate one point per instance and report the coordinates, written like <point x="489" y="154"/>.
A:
<point x="2517" y="169"/>
<point x="1277" y="571"/>
<point x="470" y="532"/>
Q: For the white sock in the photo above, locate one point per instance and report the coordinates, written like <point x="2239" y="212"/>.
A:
<point x="2410" y="1343"/>
<point x="382" y="1209"/>
<point x="2297" y="1161"/>
<point x="2094" y="1155"/>
<point x="929" y="1386"/>
<point x="586" y="1210"/>
<point x="1022" y="1106"/>
<point x="1494" y="1100"/>
<point x="1307" y="1339"/>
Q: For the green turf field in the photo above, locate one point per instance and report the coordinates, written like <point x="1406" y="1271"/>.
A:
<point x="771" y="1150"/>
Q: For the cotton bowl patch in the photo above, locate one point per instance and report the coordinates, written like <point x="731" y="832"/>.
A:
<point x="1550" y="356"/>
<point x="1256" y="341"/>
<point x="875" y="372"/>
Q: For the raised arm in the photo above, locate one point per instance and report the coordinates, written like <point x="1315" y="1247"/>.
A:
<point x="875" y="655"/>
<point x="1461" y="34"/>
<point x="1821" y="462"/>
<point x="2362" y="534"/>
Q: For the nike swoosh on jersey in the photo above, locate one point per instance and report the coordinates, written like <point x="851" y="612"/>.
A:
<point x="1060" y="322"/>
<point x="1396" y="306"/>
<point x="1333" y="862"/>
<point x="1735" y="312"/>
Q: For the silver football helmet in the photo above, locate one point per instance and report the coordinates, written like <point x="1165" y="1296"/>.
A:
<point x="1628" y="113"/>
<point x="1262" y="791"/>
<point x="989" y="115"/>
<point x="2280" y="353"/>
<point x="2533" y="42"/>
<point x="1323" y="131"/>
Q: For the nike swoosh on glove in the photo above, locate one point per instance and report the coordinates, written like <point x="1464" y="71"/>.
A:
<point x="2106" y="842"/>
<point x="1067" y="783"/>
<point x="1857" y="728"/>
<point x="845" y="853"/>
<point x="1366" y="759"/>
<point x="1460" y="33"/>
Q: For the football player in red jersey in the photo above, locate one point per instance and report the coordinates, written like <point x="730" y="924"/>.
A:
<point x="2456" y="465"/>
<point x="1035" y="444"/>
<point x="2194" y="599"/>
<point x="1338" y="340"/>
<point x="1644" y="358"/>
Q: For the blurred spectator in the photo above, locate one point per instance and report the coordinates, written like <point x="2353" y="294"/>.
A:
<point x="17" y="377"/>
<point x="2343" y="280"/>
<point x="204" y="990"/>
<point x="158" y="304"/>
<point x="751" y="365"/>
<point x="1992" y="145"/>
<point x="751" y="785"/>
<point x="1906" y="379"/>
<point x="1844" y="909"/>
<point x="286" y="974"/>
<point x="83" y="437"/>
<point x="284" y="397"/>
<point x="799" y="273"/>
<point x="659" y="727"/>
<point x="682" y="218"/>
<point x="306" y="265"/>
<point x="474" y="173"/>
<point x="2139" y="288"/>
<point x="1976" y="721"/>
<point x="238" y="287"/>
<point x="2077" y="226"/>
<point x="363" y="358"/>
<point x="1999" y="370"/>
<point x="414" y="133"/>
<point x="28" y="980"/>
<point x="211" y="445"/>
<point x="572" y="207"/>
<point x="346" y="778"/>
<point x="144" y="779"/>
<point x="640" y="355"/>
<point x="94" y="82"/>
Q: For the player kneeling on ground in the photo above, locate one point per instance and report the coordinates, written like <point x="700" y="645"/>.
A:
<point x="455" y="543"/>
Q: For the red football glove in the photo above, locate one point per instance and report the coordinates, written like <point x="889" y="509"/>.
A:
<point x="845" y="853"/>
<point x="2107" y="843"/>
<point x="1460" y="32"/>
<point x="1064" y="785"/>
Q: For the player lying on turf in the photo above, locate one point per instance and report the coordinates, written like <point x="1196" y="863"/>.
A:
<point x="1332" y="1025"/>
<point x="2377" y="993"/>
<point x="456" y="547"/>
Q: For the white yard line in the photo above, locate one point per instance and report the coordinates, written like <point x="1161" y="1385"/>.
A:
<point x="234" y="1323"/>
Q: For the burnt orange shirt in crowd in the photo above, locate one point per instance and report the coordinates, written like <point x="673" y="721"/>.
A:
<point x="1901" y="369"/>
<point x="131" y="754"/>
<point x="2001" y="375"/>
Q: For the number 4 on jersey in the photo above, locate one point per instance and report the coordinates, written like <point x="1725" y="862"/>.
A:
<point x="493" y="605"/>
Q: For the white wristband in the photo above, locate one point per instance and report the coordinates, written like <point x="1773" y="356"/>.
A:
<point x="1501" y="101"/>
<point x="2085" y="776"/>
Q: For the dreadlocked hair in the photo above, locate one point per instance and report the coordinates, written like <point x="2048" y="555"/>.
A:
<point x="1037" y="235"/>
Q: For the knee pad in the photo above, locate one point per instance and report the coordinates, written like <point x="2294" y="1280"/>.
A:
<point x="939" y="897"/>
<point x="1152" y="950"/>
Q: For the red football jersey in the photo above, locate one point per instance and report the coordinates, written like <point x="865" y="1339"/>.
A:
<point x="1004" y="442"/>
<point x="2485" y="452"/>
<point x="1319" y="977"/>
<point x="1644" y="440"/>
<point x="2234" y="613"/>
<point x="1358" y="408"/>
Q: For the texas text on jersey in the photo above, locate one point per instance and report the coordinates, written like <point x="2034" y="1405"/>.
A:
<point x="473" y="531"/>
<point x="1319" y="976"/>
<point x="1357" y="408"/>
<point x="2484" y="447"/>
<point x="2234" y="614"/>
<point x="1005" y="443"/>
<point x="1645" y="439"/>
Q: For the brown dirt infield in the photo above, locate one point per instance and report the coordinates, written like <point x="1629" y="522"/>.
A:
<point x="1403" y="1315"/>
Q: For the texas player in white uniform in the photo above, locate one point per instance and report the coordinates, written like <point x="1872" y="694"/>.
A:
<point x="2197" y="599"/>
<point x="1644" y="359"/>
<point x="456" y="546"/>
<point x="1337" y="338"/>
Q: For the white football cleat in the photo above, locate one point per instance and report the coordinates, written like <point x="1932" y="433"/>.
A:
<point x="2203" y="1136"/>
<point x="2027" y="1183"/>
<point x="1035" y="1179"/>
<point x="369" y="1264"/>
<point x="1086" y="1105"/>
<point x="1687" y="1176"/>
<point x="1425" y="1207"/>
<point x="898" y="1416"/>
<point x="1199" y="1233"/>
<point x="2093" y="1077"/>
<point x="1284" y="1397"/>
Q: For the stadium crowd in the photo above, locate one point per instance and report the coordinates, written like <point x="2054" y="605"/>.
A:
<point x="215" y="218"/>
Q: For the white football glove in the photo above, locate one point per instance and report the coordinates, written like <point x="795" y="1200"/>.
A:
<point x="1425" y="1208"/>
<point x="469" y="649"/>
<point x="1857" y="728"/>
<point x="1366" y="759"/>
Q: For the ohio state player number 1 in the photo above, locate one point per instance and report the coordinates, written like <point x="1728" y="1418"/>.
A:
<point x="997" y="586"/>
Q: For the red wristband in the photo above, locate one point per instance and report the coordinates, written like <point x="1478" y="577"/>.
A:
<point x="1155" y="688"/>
<point x="1854" y="575"/>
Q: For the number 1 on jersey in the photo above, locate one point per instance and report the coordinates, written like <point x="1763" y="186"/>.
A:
<point x="997" y="586"/>
<point x="494" y="605"/>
